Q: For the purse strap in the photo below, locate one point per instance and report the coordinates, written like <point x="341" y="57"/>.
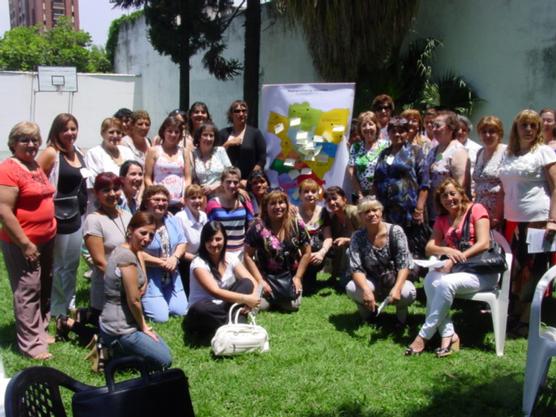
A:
<point x="465" y="235"/>
<point x="235" y="318"/>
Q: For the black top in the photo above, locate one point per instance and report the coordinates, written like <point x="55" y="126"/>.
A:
<point x="71" y="183"/>
<point x="251" y="152"/>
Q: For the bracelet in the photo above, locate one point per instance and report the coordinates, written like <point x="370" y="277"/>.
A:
<point x="418" y="210"/>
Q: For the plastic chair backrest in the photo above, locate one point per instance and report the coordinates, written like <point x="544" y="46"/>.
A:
<point x="505" y="281"/>
<point x="35" y="392"/>
<point x="535" y="315"/>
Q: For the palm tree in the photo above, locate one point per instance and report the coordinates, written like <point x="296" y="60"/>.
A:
<point x="349" y="39"/>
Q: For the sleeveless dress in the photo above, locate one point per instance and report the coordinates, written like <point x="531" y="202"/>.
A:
<point x="170" y="174"/>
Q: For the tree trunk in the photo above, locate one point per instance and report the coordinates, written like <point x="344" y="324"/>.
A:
<point x="251" y="60"/>
<point x="184" y="85"/>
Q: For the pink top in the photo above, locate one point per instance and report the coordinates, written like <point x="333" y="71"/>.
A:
<point x="452" y="236"/>
<point x="34" y="208"/>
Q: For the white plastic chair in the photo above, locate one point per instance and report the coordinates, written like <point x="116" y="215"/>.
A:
<point x="3" y="385"/>
<point x="498" y="298"/>
<point x="541" y="345"/>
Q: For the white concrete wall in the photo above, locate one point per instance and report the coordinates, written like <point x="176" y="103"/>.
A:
<point x="284" y="59"/>
<point x="505" y="48"/>
<point x="98" y="96"/>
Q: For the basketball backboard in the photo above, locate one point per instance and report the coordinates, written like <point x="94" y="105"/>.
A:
<point x="60" y="79"/>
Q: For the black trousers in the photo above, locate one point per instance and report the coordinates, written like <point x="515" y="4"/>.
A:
<point x="206" y="316"/>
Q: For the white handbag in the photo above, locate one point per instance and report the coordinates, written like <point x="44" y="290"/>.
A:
<point x="235" y="338"/>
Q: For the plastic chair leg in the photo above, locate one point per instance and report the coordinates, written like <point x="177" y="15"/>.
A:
<point x="499" y="312"/>
<point x="535" y="371"/>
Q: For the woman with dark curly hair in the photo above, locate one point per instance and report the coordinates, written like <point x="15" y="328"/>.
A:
<point x="244" y="144"/>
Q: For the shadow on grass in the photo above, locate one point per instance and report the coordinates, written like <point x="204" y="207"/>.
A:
<point x="460" y="394"/>
<point x="192" y="338"/>
<point x="347" y="322"/>
<point x="8" y="337"/>
<point x="347" y="410"/>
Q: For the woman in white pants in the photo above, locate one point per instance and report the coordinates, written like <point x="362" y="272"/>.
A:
<point x="441" y="286"/>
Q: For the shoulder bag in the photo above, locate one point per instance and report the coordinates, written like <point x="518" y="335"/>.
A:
<point x="490" y="261"/>
<point x="235" y="338"/>
<point x="164" y="393"/>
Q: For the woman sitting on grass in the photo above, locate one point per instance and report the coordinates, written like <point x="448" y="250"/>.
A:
<point x="217" y="281"/>
<point x="379" y="261"/>
<point x="442" y="285"/>
<point x="277" y="252"/>
<point x="122" y="323"/>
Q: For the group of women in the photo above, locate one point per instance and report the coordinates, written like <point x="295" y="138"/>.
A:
<point x="189" y="225"/>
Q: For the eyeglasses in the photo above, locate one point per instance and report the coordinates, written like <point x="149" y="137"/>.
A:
<point x="26" y="140"/>
<point x="437" y="125"/>
<point x="240" y="110"/>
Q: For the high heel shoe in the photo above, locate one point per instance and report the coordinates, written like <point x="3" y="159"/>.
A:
<point x="98" y="356"/>
<point x="453" y="347"/>
<point x="409" y="351"/>
<point x="62" y="328"/>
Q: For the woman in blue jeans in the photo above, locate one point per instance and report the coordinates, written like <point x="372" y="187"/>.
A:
<point x="164" y="295"/>
<point x="122" y="323"/>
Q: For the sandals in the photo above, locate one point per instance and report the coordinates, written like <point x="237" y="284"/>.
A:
<point x="409" y="351"/>
<point x="43" y="356"/>
<point x="62" y="328"/>
<point x="453" y="347"/>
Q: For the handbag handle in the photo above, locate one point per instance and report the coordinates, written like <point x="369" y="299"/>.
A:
<point x="236" y="316"/>
<point x="136" y="362"/>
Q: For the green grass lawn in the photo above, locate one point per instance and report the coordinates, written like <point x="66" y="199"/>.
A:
<point x="325" y="362"/>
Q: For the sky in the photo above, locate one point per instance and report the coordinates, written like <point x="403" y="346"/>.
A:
<point x="95" y="17"/>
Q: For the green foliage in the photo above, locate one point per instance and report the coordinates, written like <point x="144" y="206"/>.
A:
<point x="350" y="38"/>
<point x="180" y="29"/>
<point x="25" y="48"/>
<point x="409" y="80"/>
<point x="114" y="31"/>
<point x="22" y="48"/>
<point x="324" y="362"/>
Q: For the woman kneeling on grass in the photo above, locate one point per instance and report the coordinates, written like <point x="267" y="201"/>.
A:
<point x="379" y="261"/>
<point x="122" y="323"/>
<point x="217" y="281"/>
<point x="442" y="285"/>
<point x="277" y="252"/>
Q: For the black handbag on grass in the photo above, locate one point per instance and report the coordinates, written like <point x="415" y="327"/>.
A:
<point x="164" y="393"/>
<point x="282" y="286"/>
<point x="490" y="261"/>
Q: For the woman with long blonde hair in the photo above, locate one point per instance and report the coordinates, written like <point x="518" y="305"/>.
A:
<point x="278" y="244"/>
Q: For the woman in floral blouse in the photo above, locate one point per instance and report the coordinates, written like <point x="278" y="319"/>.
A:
<point x="363" y="154"/>
<point x="275" y="243"/>
<point x="488" y="187"/>
<point x="401" y="180"/>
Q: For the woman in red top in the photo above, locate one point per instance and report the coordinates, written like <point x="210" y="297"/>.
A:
<point x="442" y="285"/>
<point x="27" y="235"/>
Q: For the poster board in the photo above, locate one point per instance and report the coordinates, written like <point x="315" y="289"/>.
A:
<point x="306" y="128"/>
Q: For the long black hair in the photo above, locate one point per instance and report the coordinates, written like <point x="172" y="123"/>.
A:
<point x="208" y="232"/>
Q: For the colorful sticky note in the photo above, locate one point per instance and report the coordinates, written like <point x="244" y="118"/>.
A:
<point x="289" y="162"/>
<point x="301" y="135"/>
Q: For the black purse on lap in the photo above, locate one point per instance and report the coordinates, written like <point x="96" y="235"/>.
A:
<point x="490" y="261"/>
